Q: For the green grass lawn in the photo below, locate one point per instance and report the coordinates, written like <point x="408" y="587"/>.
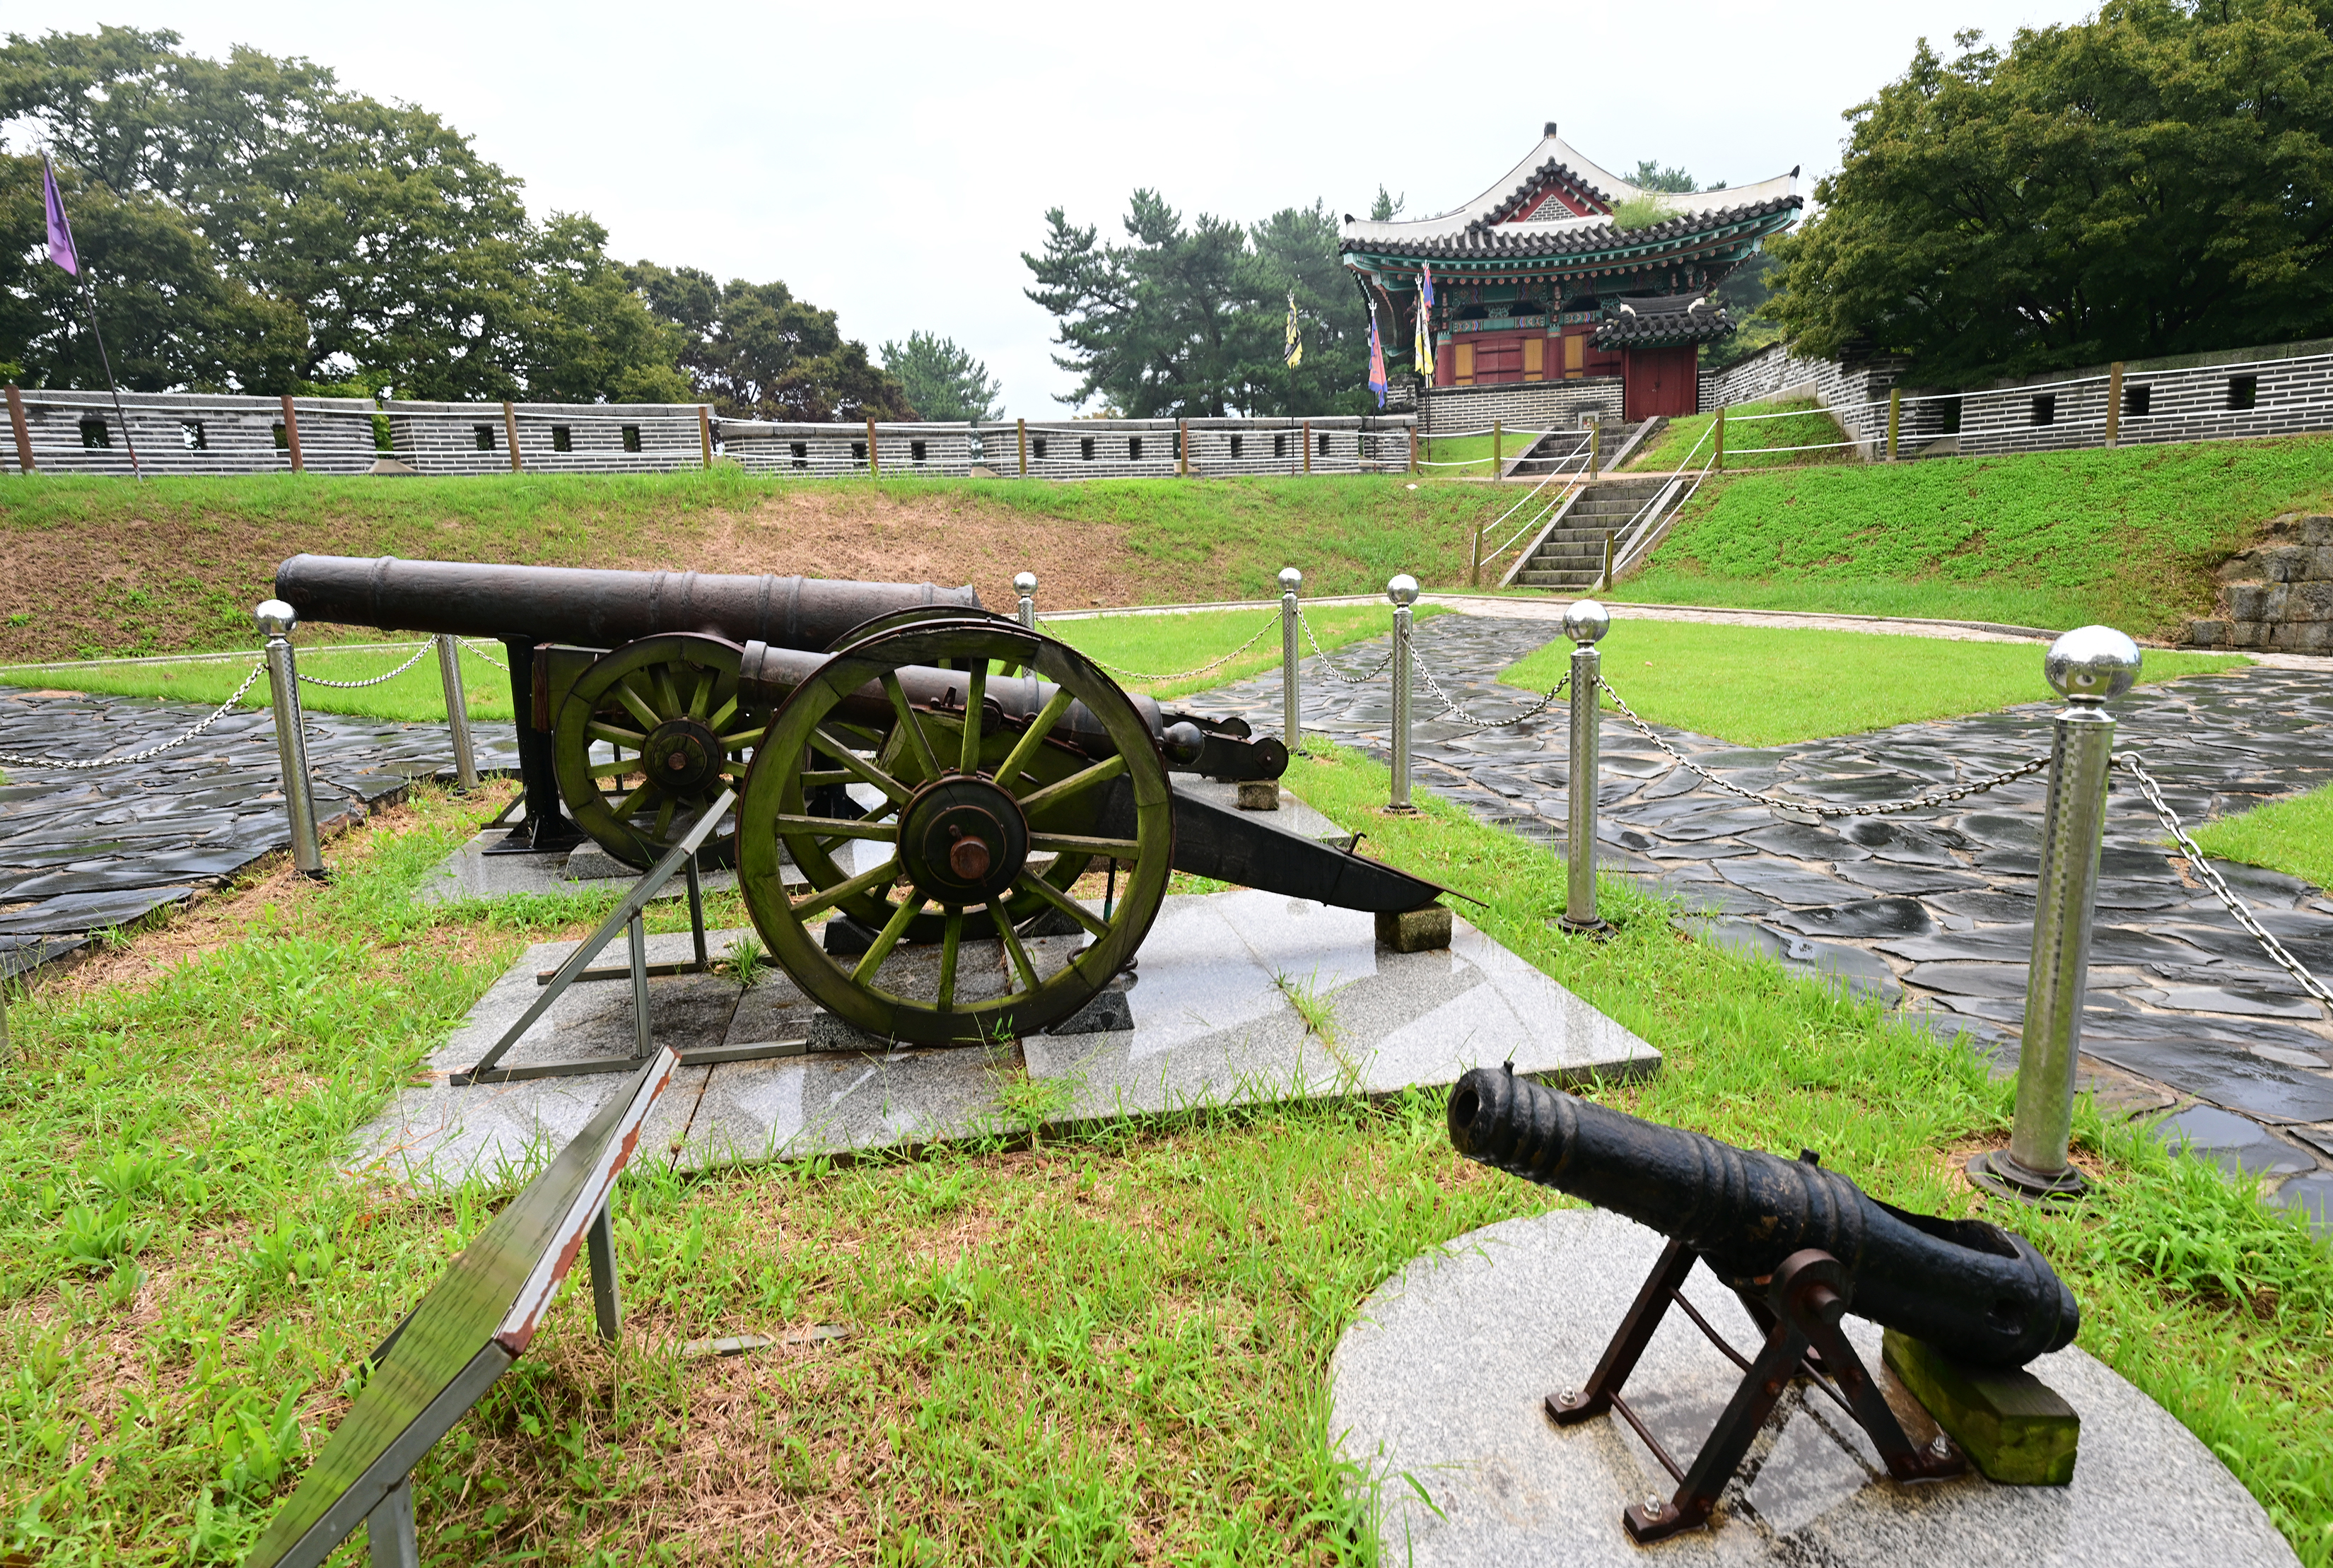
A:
<point x="1769" y="686"/>
<point x="1157" y="644"/>
<point x="2127" y="537"/>
<point x="1805" y="425"/>
<point x="176" y="564"/>
<point x="1099" y="1349"/>
<point x="2294" y="836"/>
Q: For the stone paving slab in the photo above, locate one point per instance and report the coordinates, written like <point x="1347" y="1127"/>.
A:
<point x="1436" y="1393"/>
<point x="85" y="850"/>
<point x="1215" y="1023"/>
<point x="2188" y="998"/>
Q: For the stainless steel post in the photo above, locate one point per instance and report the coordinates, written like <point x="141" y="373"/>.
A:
<point x="276" y="619"/>
<point x="389" y="1539"/>
<point x="1584" y="623"/>
<point x="458" y="712"/>
<point x="2089" y="668"/>
<point x="1291" y="701"/>
<point x="1403" y="591"/>
<point x="1025" y="585"/>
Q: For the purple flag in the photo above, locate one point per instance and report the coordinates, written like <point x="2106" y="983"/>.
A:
<point x="60" y="243"/>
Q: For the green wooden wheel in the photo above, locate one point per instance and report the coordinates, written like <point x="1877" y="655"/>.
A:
<point x="667" y="708"/>
<point x="971" y="805"/>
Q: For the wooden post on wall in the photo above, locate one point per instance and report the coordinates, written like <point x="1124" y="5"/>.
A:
<point x="1413" y="451"/>
<point x="2114" y="402"/>
<point x="24" y="435"/>
<point x="510" y="432"/>
<point x="1025" y="448"/>
<point x="874" y="464"/>
<point x="1308" y="445"/>
<point x="1594" y="449"/>
<point x="1498" y="449"/>
<point x="1721" y="438"/>
<point x="1182" y="447"/>
<point x="705" y="432"/>
<point x="292" y="434"/>
<point x="1894" y="418"/>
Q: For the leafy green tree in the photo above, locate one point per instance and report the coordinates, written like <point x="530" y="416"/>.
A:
<point x="1651" y="176"/>
<point x="941" y="380"/>
<point x="2153" y="182"/>
<point x="1385" y="208"/>
<point x="1187" y="319"/>
<point x="756" y="352"/>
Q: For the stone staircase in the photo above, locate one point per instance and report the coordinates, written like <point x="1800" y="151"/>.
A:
<point x="1571" y="555"/>
<point x="1563" y="447"/>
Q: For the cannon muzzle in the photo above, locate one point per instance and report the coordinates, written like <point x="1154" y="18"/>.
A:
<point x="1976" y="1292"/>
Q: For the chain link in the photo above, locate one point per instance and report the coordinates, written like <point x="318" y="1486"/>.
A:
<point x="1185" y="675"/>
<point x="1450" y="708"/>
<point x="218" y="712"/>
<point x="1328" y="664"/>
<point x="2129" y="761"/>
<point x="481" y="653"/>
<point x="1819" y="808"/>
<point x="376" y="680"/>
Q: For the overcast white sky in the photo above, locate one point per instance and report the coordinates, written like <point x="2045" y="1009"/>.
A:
<point x="891" y="162"/>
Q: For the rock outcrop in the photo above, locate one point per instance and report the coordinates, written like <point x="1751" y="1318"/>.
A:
<point x="2278" y="595"/>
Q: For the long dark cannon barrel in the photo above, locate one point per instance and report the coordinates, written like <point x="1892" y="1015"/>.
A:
<point x="1973" y="1290"/>
<point x="593" y="608"/>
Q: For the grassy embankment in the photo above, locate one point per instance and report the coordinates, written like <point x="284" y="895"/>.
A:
<point x="2128" y="537"/>
<point x="1767" y="686"/>
<point x="2294" y="836"/>
<point x="1748" y="429"/>
<point x="176" y="564"/>
<point x="1100" y="1348"/>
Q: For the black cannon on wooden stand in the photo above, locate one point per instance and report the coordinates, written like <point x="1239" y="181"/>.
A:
<point x="1000" y="764"/>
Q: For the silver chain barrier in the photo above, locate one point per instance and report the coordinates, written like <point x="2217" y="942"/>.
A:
<point x="1326" y="663"/>
<point x="481" y="653"/>
<point x="376" y="680"/>
<point x="1820" y="808"/>
<point x="1185" y="675"/>
<point x="2128" y="761"/>
<point x="217" y="714"/>
<point x="1450" y="708"/>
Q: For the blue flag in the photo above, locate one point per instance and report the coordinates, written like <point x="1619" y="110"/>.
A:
<point x="1377" y="361"/>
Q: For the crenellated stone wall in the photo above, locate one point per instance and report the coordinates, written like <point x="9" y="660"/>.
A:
<point x="2278" y="596"/>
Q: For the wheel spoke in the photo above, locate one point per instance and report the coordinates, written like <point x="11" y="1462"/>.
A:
<point x="865" y="882"/>
<point x="1074" y="844"/>
<point x="724" y="714"/>
<point x="664" y="818"/>
<point x="632" y="803"/>
<point x="1063" y="902"/>
<point x="839" y="828"/>
<point x="812" y="779"/>
<point x="635" y="704"/>
<point x="1077" y="783"/>
<point x="975" y="696"/>
<point x="600" y="729"/>
<point x="1011" y="941"/>
<point x="666" y="689"/>
<point x="614" y="769"/>
<point x="919" y="744"/>
<point x="860" y="769"/>
<point x="950" y="940"/>
<point x="743" y="738"/>
<point x="1035" y="735"/>
<point x="888" y="938"/>
<point x="702" y="698"/>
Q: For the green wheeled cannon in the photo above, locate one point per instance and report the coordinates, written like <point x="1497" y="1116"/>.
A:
<point x="921" y="784"/>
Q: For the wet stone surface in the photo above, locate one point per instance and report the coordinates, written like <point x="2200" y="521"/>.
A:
<point x="84" y="850"/>
<point x="1934" y="907"/>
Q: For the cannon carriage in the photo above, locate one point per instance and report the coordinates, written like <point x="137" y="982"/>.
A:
<point x="916" y="777"/>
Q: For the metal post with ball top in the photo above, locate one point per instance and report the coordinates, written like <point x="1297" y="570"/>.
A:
<point x="2089" y="668"/>
<point x="1585" y="623"/>
<point x="1403" y="591"/>
<point x="276" y="619"/>
<point x="1291" y="707"/>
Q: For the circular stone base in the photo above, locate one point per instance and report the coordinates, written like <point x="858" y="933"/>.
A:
<point x="1437" y="1390"/>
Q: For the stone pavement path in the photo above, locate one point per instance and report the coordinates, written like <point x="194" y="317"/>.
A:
<point x="1934" y="908"/>
<point x="83" y="850"/>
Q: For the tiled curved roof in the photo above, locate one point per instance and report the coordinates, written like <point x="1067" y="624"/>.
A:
<point x="1581" y="238"/>
<point x="1667" y="321"/>
<point x="1553" y="172"/>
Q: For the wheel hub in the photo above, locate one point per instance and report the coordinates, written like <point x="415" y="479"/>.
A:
<point x="962" y="840"/>
<point x="682" y="756"/>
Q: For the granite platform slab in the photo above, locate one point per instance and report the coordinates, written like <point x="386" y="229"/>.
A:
<point x="1215" y="1022"/>
<point x="1436" y="1391"/>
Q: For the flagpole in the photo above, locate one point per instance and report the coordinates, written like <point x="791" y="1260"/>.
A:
<point x="89" y="299"/>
